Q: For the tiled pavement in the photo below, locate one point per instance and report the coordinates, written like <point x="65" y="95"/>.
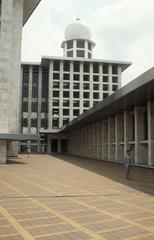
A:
<point x="66" y="198"/>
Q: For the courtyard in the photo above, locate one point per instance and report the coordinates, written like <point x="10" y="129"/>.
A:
<point x="62" y="197"/>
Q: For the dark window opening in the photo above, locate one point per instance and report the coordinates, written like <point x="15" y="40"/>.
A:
<point x="44" y="107"/>
<point x="25" y="92"/>
<point x="66" y="66"/>
<point x="86" y="86"/>
<point x="76" y="103"/>
<point x="76" y="94"/>
<point x="66" y="112"/>
<point x="34" y="106"/>
<point x="95" y="86"/>
<point x="105" y="87"/>
<point x="25" y="107"/>
<point x="105" y="79"/>
<point x="69" y="44"/>
<point x="70" y="54"/>
<point x="96" y="78"/>
<point x="66" y="76"/>
<point x="86" y="95"/>
<point x="66" y="94"/>
<point x="76" y="86"/>
<point x="86" y="78"/>
<point x="55" y="93"/>
<point x="55" y="123"/>
<point x="80" y="53"/>
<point x="86" y="103"/>
<point x="89" y="55"/>
<point x="86" y="67"/>
<point x="56" y="76"/>
<point x="114" y="69"/>
<point x="65" y="121"/>
<point x="145" y="125"/>
<point x="114" y="87"/>
<point x="34" y="122"/>
<point x="96" y="95"/>
<point x="66" y="85"/>
<point x="76" y="112"/>
<point x="76" y="67"/>
<point x="105" y="68"/>
<point x="45" y="83"/>
<point x="89" y="46"/>
<point x="95" y="68"/>
<point x="115" y="79"/>
<point x="24" y="122"/>
<point x="105" y="95"/>
<point x="44" y="123"/>
<point x="76" y="77"/>
<point x="80" y="44"/>
<point x="66" y="103"/>
<point x="56" y="65"/>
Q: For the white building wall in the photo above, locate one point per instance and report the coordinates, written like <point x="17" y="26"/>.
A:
<point x="10" y="54"/>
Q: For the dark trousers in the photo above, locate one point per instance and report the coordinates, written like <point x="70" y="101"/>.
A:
<point x="128" y="168"/>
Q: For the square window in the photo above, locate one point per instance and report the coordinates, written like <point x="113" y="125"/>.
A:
<point x="66" y="112"/>
<point x="69" y="44"/>
<point x="76" y="77"/>
<point x="80" y="53"/>
<point x="55" y="93"/>
<point x="86" y="95"/>
<point x="66" y="76"/>
<point x="66" y="94"/>
<point x="56" y="76"/>
<point x="76" y="112"/>
<point x="96" y="95"/>
<point x="66" y="66"/>
<point x="76" y="94"/>
<point x="80" y="44"/>
<point x="76" y="67"/>
<point x="86" y="78"/>
<point x="86" y="67"/>
<point x="70" y="54"/>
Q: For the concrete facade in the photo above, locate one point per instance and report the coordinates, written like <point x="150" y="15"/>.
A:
<point x="11" y="21"/>
<point x="62" y="88"/>
<point x="130" y="125"/>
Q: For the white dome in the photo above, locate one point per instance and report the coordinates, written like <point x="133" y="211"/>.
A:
<point x="77" y="30"/>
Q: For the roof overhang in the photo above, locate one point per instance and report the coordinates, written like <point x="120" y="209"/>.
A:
<point x="47" y="59"/>
<point x="18" y="137"/>
<point x="136" y="93"/>
<point x="29" y="7"/>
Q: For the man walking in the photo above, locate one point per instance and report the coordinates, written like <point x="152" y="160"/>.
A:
<point x="128" y="162"/>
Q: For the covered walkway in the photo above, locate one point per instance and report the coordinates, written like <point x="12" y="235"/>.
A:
<point x="68" y="198"/>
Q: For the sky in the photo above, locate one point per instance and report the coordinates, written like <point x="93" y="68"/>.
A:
<point x="122" y="30"/>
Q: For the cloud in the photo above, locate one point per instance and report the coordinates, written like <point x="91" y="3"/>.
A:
<point x="122" y="29"/>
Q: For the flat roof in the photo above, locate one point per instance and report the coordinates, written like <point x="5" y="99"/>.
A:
<point x="135" y="93"/>
<point x="18" y="137"/>
<point x="29" y="7"/>
<point x="124" y="64"/>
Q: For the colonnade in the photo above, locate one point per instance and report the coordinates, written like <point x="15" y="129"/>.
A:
<point x="110" y="137"/>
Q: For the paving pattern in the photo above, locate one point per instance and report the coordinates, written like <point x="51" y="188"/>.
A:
<point x="59" y="197"/>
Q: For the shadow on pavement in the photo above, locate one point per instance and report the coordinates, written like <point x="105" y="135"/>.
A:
<point x="141" y="179"/>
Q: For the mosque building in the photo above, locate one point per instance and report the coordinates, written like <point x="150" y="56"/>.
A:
<point x="59" y="89"/>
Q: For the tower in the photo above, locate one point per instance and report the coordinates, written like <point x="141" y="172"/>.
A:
<point x="77" y="41"/>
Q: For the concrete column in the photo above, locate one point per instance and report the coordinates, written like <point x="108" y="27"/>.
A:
<point x="30" y="98"/>
<point x="112" y="138"/>
<point x="39" y="107"/>
<point x="61" y="95"/>
<point x="81" y="88"/>
<point x="50" y="97"/>
<point x="100" y="82"/>
<point x="99" y="140"/>
<point x="141" y="147"/>
<point x="110" y="79"/>
<point x="91" y="84"/>
<point x="3" y="147"/>
<point x="119" y="76"/>
<point x="71" y="91"/>
<point x="150" y="111"/>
